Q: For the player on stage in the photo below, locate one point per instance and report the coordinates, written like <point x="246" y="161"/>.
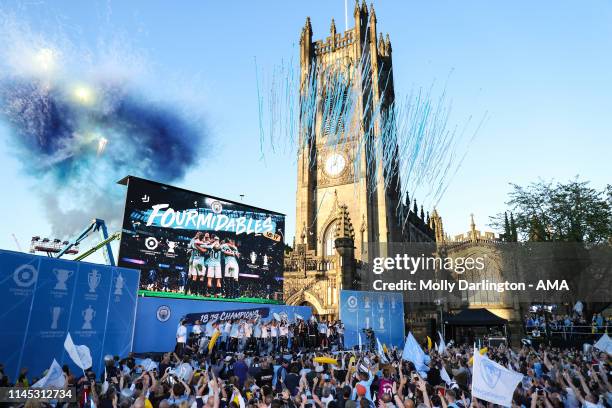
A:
<point x="340" y="333"/>
<point x="257" y="332"/>
<point x="299" y="335"/>
<point x="265" y="337"/>
<point x="322" y="328"/>
<point x="283" y="332"/>
<point x="181" y="338"/>
<point x="274" y="335"/>
<point x="248" y="335"/>
<point x="312" y="333"/>
<point x="225" y="333"/>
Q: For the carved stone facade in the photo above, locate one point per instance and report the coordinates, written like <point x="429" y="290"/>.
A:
<point x="485" y="245"/>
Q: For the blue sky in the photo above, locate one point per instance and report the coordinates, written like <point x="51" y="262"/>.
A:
<point x="542" y="70"/>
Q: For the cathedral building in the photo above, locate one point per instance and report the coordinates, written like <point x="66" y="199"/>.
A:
<point x="348" y="203"/>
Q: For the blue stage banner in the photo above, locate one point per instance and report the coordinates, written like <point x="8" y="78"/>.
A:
<point x="161" y="316"/>
<point x="382" y="312"/>
<point x="223" y="315"/>
<point x="42" y="299"/>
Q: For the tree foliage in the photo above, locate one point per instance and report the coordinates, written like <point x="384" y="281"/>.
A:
<point x="549" y="211"/>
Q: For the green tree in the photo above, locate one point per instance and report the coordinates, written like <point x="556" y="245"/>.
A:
<point x="513" y="229"/>
<point x="547" y="211"/>
<point x="507" y="233"/>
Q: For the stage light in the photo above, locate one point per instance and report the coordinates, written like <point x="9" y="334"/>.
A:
<point x="83" y="95"/>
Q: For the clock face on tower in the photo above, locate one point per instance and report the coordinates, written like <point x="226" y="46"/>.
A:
<point x="334" y="164"/>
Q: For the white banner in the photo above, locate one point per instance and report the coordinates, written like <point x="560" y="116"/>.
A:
<point x="493" y="382"/>
<point x="79" y="354"/>
<point x="604" y="344"/>
<point x="53" y="379"/>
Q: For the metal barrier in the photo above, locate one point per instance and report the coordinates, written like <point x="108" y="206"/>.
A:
<point x="584" y="332"/>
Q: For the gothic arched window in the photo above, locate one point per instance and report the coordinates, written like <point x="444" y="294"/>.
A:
<point x="329" y="246"/>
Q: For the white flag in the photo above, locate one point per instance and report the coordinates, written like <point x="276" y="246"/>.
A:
<point x="381" y="352"/>
<point x="493" y="382"/>
<point x="359" y="334"/>
<point x="414" y="353"/>
<point x="444" y="375"/>
<point x="184" y="371"/>
<point x="604" y="344"/>
<point x="442" y="345"/>
<point x="148" y="364"/>
<point x="53" y="379"/>
<point x="79" y="354"/>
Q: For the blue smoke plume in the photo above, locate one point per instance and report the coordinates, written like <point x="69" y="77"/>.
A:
<point x="78" y="141"/>
<point x="78" y="119"/>
<point x="62" y="137"/>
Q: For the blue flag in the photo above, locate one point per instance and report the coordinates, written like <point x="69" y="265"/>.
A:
<point x="54" y="378"/>
<point x="414" y="353"/>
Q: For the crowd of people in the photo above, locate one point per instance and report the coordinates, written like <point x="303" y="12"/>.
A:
<point x="311" y="378"/>
<point x="540" y="324"/>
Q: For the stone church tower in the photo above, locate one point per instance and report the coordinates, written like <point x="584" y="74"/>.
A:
<point x="328" y="170"/>
<point x="345" y="198"/>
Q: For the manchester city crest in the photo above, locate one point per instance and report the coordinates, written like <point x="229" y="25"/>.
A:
<point x="163" y="313"/>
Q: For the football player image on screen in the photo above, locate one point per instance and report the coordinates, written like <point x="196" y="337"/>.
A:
<point x="152" y="279"/>
<point x="213" y="264"/>
<point x="193" y="253"/>
<point x="182" y="281"/>
<point x="230" y="252"/>
<point x="197" y="262"/>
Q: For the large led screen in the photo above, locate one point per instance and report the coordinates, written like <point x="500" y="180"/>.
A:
<point x="188" y="244"/>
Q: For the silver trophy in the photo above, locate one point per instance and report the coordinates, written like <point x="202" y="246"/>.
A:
<point x="253" y="257"/>
<point x="55" y="314"/>
<point x="119" y="285"/>
<point x="62" y="276"/>
<point x="381" y="302"/>
<point x="88" y="316"/>
<point x="366" y="302"/>
<point x="367" y="322"/>
<point x="381" y="323"/>
<point x="171" y="246"/>
<point x="93" y="280"/>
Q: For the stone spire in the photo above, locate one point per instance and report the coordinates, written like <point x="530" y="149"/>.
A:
<point x="344" y="226"/>
<point x="472" y="228"/>
<point x="332" y="33"/>
<point x="437" y="226"/>
<point x="387" y="45"/>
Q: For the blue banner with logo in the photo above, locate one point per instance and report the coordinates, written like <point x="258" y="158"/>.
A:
<point x="162" y="315"/>
<point x="383" y="312"/>
<point x="42" y="299"/>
